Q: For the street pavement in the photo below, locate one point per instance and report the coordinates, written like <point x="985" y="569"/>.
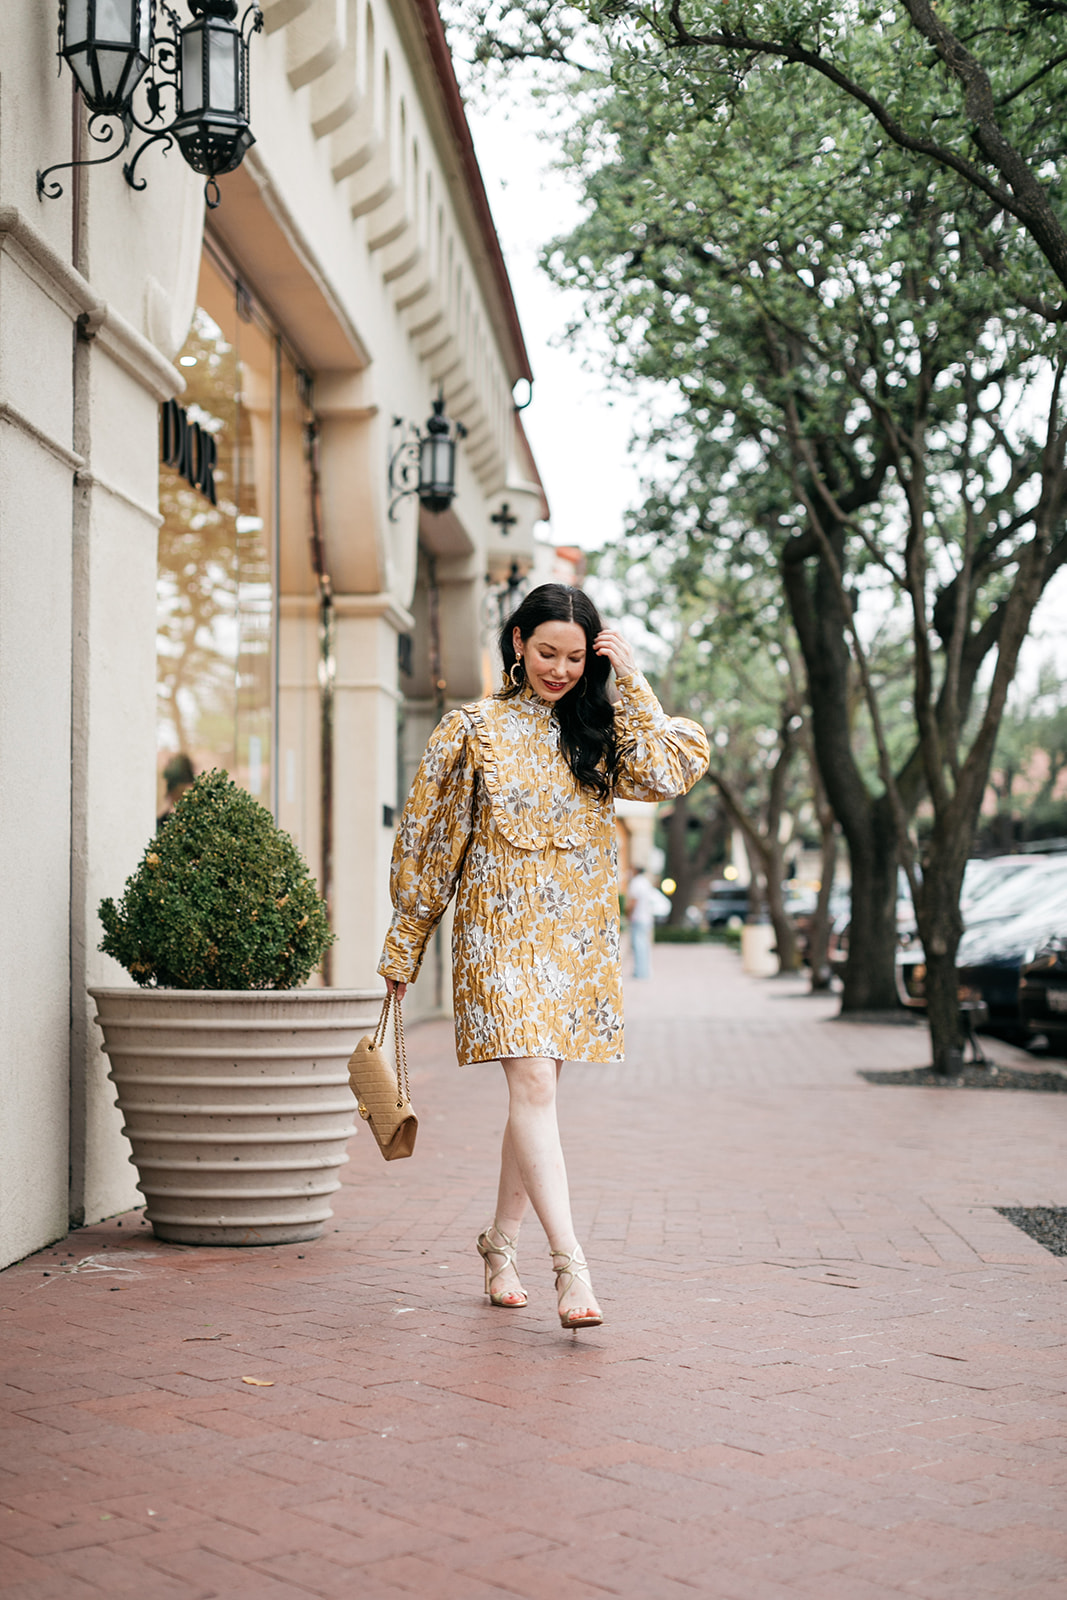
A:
<point x="829" y="1371"/>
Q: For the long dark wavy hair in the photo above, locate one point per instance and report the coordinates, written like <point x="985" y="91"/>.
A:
<point x="585" y="715"/>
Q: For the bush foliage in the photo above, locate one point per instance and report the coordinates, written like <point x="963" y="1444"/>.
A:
<point x="222" y="899"/>
<point x="685" y="934"/>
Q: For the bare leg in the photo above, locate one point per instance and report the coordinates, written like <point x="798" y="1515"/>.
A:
<point x="512" y="1201"/>
<point x="512" y="1204"/>
<point x="532" y="1144"/>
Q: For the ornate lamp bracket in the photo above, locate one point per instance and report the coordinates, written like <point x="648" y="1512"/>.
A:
<point x="213" y="137"/>
<point x="403" y="464"/>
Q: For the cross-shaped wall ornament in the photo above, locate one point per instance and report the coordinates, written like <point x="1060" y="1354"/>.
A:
<point x="505" y="519"/>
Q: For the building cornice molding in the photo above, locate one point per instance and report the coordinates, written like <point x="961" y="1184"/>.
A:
<point x="433" y="32"/>
<point x="255" y="180"/>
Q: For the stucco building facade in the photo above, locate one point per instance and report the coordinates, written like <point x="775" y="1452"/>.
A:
<point x="260" y="599"/>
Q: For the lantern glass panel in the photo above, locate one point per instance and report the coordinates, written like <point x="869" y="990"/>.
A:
<point x="76" y="24"/>
<point x="83" y="71"/>
<point x="192" y="70"/>
<point x="111" y="66"/>
<point x="115" y="23"/>
<point x="444" y="463"/>
<point x="224" y="74"/>
<point x="437" y="468"/>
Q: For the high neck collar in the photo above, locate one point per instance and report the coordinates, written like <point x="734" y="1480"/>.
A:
<point x="530" y="700"/>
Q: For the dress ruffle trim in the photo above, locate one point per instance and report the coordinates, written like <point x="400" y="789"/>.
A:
<point x="521" y="813"/>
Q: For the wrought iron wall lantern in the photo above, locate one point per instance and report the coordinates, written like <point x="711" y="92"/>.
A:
<point x="425" y="464"/>
<point x="196" y="73"/>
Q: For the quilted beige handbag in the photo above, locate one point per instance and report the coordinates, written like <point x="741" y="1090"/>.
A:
<point x="382" y="1090"/>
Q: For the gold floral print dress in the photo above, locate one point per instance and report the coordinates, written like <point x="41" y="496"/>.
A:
<point x="496" y="816"/>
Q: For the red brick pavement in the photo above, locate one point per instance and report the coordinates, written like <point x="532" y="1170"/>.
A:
<point x="831" y="1369"/>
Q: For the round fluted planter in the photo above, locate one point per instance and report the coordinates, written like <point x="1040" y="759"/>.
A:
<point x="237" y="1105"/>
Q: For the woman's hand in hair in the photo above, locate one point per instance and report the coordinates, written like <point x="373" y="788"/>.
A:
<point x="614" y="646"/>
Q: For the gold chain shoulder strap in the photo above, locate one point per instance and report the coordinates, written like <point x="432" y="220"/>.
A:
<point x="401" y="1053"/>
<point x="392" y="1002"/>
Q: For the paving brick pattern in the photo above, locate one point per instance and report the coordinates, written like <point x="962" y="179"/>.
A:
<point x="831" y="1370"/>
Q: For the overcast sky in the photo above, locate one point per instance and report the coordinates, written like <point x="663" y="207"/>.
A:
<point x="578" y="430"/>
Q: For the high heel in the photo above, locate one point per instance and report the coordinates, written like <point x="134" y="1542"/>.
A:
<point x="510" y="1299"/>
<point x="575" y="1269"/>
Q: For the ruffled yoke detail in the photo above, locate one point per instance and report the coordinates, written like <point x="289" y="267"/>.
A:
<point x="534" y="797"/>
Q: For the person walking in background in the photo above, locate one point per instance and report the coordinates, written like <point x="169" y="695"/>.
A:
<point x="512" y="811"/>
<point x="642" y="903"/>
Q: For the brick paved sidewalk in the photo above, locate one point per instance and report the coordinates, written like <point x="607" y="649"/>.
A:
<point x="831" y="1369"/>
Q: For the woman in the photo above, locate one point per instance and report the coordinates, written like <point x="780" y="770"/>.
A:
<point x="512" y="810"/>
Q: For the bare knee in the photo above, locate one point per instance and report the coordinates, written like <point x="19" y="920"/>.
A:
<point x="531" y="1081"/>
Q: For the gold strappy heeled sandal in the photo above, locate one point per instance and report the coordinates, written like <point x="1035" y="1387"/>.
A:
<point x="510" y="1299"/>
<point x="575" y="1269"/>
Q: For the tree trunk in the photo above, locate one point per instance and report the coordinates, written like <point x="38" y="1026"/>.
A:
<point x="943" y="1012"/>
<point x="785" y="935"/>
<point x="866" y="822"/>
<point x="937" y="912"/>
<point x="870" y="982"/>
<point x="819" y="929"/>
<point x="764" y="849"/>
<point x="678" y="864"/>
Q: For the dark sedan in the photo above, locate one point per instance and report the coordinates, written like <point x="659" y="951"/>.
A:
<point x="726" y="901"/>
<point x="1039" y="887"/>
<point x="990" y="960"/>
<point x="1043" y="993"/>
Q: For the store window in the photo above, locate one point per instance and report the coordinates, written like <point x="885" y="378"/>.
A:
<point x="228" y="446"/>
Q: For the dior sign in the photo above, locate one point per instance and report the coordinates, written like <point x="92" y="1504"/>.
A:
<point x="188" y="448"/>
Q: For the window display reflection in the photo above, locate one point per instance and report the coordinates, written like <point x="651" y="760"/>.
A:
<point x="216" y="635"/>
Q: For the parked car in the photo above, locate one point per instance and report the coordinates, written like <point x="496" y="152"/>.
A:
<point x="1043" y="992"/>
<point x="1013" y="895"/>
<point x="992" y="955"/>
<point x="725" y="900"/>
<point x="984" y="876"/>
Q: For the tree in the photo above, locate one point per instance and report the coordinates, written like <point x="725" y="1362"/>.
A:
<point x="728" y="663"/>
<point x="850" y="394"/>
<point x="975" y="88"/>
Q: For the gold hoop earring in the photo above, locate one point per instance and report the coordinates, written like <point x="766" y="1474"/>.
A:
<point x="518" y="667"/>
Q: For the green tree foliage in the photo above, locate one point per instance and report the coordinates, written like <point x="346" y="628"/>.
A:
<point x="222" y="899"/>
<point x="972" y="88"/>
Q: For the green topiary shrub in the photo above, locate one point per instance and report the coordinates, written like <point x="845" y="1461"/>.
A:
<point x="222" y="899"/>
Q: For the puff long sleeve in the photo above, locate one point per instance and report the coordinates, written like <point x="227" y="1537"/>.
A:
<point x="663" y="756"/>
<point x="431" y="841"/>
